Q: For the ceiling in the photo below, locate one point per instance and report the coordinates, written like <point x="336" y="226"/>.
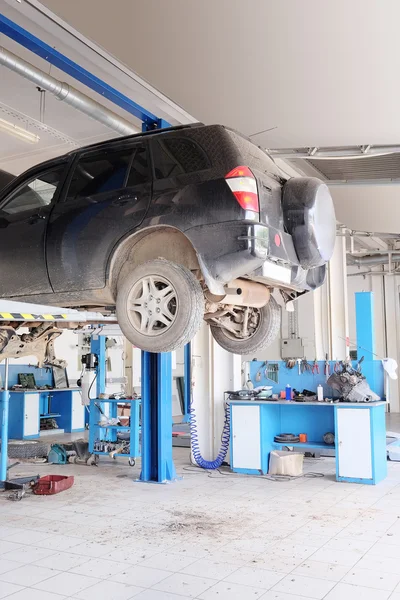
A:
<point x="318" y="73"/>
<point x="312" y="73"/>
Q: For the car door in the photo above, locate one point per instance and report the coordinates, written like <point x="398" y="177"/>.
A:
<point x="24" y="215"/>
<point x="107" y="198"/>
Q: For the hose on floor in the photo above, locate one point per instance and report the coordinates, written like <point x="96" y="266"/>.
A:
<point x="210" y="464"/>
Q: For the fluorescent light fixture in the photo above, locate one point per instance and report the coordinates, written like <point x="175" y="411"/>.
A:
<point x="19" y="132"/>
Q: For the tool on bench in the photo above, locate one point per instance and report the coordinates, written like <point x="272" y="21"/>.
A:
<point x="338" y="367"/>
<point x="327" y="368"/>
<point x="315" y="368"/>
<point x="305" y="366"/>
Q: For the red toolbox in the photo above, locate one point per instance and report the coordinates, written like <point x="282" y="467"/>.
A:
<point x="52" y="484"/>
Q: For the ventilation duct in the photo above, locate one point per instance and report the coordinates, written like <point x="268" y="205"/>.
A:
<point x="373" y="259"/>
<point x="66" y="93"/>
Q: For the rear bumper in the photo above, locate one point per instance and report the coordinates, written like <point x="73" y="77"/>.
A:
<point x="227" y="251"/>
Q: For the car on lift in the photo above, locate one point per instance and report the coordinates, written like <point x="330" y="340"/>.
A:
<point x="170" y="227"/>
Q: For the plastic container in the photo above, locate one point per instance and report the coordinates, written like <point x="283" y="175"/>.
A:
<point x="288" y="392"/>
<point x="303" y="438"/>
<point x="52" y="484"/>
<point x="320" y="393"/>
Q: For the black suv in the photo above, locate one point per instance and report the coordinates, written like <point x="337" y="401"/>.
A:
<point x="171" y="227"/>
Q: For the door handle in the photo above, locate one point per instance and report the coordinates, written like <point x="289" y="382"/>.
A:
<point x="36" y="218"/>
<point x="124" y="199"/>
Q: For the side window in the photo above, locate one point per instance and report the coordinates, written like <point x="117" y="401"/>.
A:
<point x="139" y="171"/>
<point x="176" y="155"/>
<point x="99" y="173"/>
<point x="36" y="193"/>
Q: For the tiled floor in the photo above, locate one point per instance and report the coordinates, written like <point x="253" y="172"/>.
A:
<point x="207" y="536"/>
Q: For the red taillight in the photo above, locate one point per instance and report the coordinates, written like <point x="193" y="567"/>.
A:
<point x="244" y="187"/>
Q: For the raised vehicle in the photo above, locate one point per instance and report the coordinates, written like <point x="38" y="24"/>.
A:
<point x="169" y="227"/>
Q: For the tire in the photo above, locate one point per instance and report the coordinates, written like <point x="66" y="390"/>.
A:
<point x="267" y="330"/>
<point x="182" y="308"/>
<point x="27" y="449"/>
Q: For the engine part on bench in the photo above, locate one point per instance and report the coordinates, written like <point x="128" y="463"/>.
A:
<point x="352" y="386"/>
<point x="287" y="438"/>
<point x="329" y="438"/>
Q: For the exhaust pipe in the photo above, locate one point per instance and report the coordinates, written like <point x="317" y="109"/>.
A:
<point x="240" y="292"/>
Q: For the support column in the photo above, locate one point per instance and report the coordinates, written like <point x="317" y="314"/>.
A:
<point x="157" y="463"/>
<point x="5" y="403"/>
<point x="331" y="316"/>
<point x="214" y="371"/>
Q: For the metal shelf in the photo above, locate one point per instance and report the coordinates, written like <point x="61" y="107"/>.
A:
<point x="316" y="445"/>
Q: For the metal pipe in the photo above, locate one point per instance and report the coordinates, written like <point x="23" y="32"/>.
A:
<point x="241" y="292"/>
<point x="369" y="259"/>
<point x="5" y="404"/>
<point x="66" y="93"/>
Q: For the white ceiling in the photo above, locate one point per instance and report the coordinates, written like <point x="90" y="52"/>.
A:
<point x="316" y="73"/>
<point x="320" y="72"/>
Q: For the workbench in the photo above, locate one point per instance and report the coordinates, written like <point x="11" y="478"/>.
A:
<point x="28" y="407"/>
<point x="359" y="429"/>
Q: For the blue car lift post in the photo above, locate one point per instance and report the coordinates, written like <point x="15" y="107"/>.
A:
<point x="156" y="368"/>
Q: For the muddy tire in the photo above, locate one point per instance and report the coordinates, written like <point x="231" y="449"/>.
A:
<point x="266" y="332"/>
<point x="160" y="306"/>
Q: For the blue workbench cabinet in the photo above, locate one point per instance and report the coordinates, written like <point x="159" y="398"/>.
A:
<point x="360" y="443"/>
<point x="359" y="429"/>
<point x="29" y="407"/>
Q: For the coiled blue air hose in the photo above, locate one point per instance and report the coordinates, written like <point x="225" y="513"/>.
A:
<point x="210" y="464"/>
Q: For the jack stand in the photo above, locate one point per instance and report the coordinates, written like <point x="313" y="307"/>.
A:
<point x="157" y="463"/>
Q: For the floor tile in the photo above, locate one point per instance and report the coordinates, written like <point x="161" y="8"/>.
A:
<point x="141" y="576"/>
<point x="59" y="542"/>
<point x="68" y="583"/>
<point x="27" y="575"/>
<point x="109" y="590"/>
<point x="210" y="569"/>
<point x="187" y="585"/>
<point x="62" y="561"/>
<point x="372" y="578"/>
<point x="168" y="562"/>
<point x="344" y="591"/>
<point x="356" y="545"/>
<point x="7" y="546"/>
<point x="321" y="570"/>
<point x="31" y="594"/>
<point x="98" y="567"/>
<point x="273" y="595"/>
<point x="276" y="563"/>
<point x="28" y="554"/>
<point x="156" y="595"/>
<point x="6" y="589"/>
<point x="304" y="586"/>
<point x="254" y="577"/>
<point x="336" y="557"/>
<point x="27" y="536"/>
<point x="224" y="590"/>
<point x="8" y="565"/>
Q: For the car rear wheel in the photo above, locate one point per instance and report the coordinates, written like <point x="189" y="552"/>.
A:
<point x="263" y="329"/>
<point x="160" y="306"/>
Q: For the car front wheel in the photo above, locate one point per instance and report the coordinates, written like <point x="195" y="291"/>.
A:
<point x="160" y="306"/>
<point x="263" y="327"/>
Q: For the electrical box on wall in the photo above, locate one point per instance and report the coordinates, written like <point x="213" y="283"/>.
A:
<point x="292" y="348"/>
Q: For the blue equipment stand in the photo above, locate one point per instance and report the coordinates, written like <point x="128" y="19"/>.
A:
<point x="157" y="463"/>
<point x="5" y="403"/>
